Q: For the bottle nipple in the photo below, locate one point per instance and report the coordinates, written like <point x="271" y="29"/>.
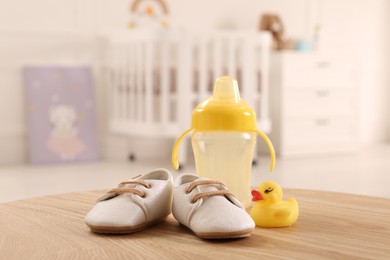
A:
<point x="226" y="90"/>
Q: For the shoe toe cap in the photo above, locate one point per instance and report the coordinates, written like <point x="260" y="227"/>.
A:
<point x="118" y="212"/>
<point x="223" y="218"/>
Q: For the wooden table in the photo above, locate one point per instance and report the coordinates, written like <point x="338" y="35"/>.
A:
<point x="331" y="225"/>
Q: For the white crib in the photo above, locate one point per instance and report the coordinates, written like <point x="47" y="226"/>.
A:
<point x="156" y="78"/>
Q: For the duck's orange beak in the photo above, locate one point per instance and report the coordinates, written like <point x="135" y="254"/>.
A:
<point x="256" y="195"/>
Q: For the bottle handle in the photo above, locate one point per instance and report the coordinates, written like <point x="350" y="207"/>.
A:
<point x="270" y="147"/>
<point x="175" y="150"/>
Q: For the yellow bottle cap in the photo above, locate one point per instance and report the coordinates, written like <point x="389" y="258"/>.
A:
<point x="223" y="111"/>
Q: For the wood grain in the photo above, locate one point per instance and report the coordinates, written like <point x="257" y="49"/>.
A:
<point x="331" y="225"/>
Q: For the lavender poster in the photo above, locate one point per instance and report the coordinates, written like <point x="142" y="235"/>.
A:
<point x="60" y="114"/>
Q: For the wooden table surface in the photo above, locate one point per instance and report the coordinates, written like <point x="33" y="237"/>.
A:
<point x="331" y="225"/>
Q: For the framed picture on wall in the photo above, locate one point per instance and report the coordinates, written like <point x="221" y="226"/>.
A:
<point x="60" y="111"/>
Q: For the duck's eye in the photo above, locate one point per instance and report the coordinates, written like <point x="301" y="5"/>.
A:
<point x="268" y="190"/>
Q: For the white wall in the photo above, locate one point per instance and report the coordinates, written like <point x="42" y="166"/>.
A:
<point x="205" y="14"/>
<point x="387" y="65"/>
<point x="353" y="26"/>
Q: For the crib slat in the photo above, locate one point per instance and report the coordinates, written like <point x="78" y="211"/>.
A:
<point x="116" y="83"/>
<point x="217" y="57"/>
<point x="132" y="80"/>
<point x="265" y="48"/>
<point x="148" y="81"/>
<point x="183" y="98"/>
<point x="111" y="81"/>
<point x="123" y="83"/>
<point x="202" y="68"/>
<point x="247" y="70"/>
<point x="231" y="57"/>
<point x="139" y="78"/>
<point x="164" y="82"/>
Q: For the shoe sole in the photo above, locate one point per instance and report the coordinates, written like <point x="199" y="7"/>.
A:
<point x="124" y="230"/>
<point x="221" y="235"/>
<point x="225" y="235"/>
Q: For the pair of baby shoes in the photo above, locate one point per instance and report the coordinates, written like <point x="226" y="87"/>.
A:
<point x="204" y="206"/>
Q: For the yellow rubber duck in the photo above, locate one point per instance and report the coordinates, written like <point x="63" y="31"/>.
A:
<point x="270" y="210"/>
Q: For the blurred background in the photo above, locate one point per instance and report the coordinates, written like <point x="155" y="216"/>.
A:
<point x="96" y="91"/>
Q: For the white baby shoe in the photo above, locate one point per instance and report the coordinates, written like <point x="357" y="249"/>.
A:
<point x="135" y="204"/>
<point x="209" y="209"/>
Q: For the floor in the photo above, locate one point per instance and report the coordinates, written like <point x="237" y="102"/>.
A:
<point x="366" y="172"/>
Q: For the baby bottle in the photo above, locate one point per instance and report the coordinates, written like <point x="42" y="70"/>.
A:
<point x="224" y="138"/>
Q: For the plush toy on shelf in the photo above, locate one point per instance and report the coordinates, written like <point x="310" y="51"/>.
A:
<point x="273" y="23"/>
<point x="270" y="210"/>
